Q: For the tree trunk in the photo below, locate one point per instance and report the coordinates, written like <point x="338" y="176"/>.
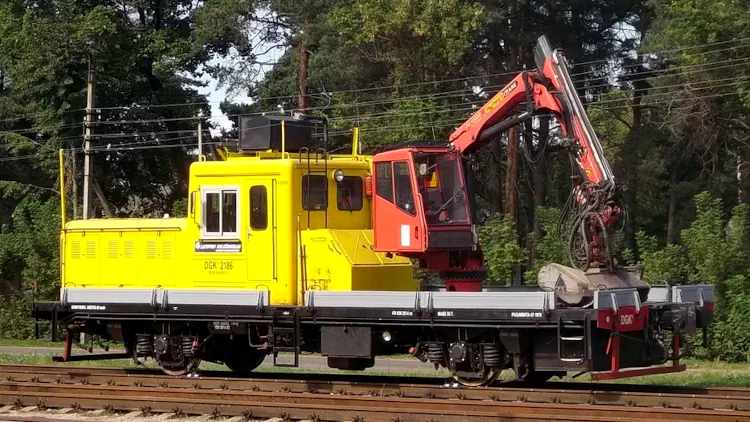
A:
<point x="530" y="220"/>
<point x="511" y="177"/>
<point x="106" y="208"/>
<point x="495" y="185"/>
<point x="629" y="166"/>
<point x="304" y="60"/>
<point x="531" y="199"/>
<point x="540" y="175"/>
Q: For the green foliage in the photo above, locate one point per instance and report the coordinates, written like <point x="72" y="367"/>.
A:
<point x="697" y="22"/>
<point x="179" y="208"/>
<point x="502" y="254"/>
<point x="142" y="53"/>
<point x="549" y="247"/>
<point x="669" y="265"/>
<point x="432" y="33"/>
<point x="731" y="333"/>
<point x="400" y="70"/>
<point x="15" y="322"/>
<point x="704" y="239"/>
<point x="29" y="248"/>
<point x="713" y="252"/>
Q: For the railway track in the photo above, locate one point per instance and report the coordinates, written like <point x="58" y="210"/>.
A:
<point x="363" y="399"/>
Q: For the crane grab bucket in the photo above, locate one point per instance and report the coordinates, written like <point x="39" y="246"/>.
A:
<point x="576" y="287"/>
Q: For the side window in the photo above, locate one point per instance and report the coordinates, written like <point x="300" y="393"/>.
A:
<point x="228" y="212"/>
<point x="212" y="212"/>
<point x="220" y="212"/>
<point x="404" y="194"/>
<point x="349" y="194"/>
<point x="314" y="193"/>
<point x="384" y="187"/>
<point x="258" y="208"/>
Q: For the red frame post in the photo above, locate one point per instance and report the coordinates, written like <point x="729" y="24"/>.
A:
<point x="613" y="349"/>
<point x="68" y="346"/>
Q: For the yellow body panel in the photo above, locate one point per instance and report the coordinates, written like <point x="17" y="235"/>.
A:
<point x="343" y="260"/>
<point x="243" y="229"/>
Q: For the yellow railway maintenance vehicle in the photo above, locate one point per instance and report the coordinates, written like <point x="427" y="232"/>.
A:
<point x="279" y="222"/>
<point x="289" y="248"/>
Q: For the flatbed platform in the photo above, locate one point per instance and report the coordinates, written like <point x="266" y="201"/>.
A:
<point x="525" y="327"/>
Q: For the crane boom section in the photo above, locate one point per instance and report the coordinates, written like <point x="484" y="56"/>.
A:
<point x="548" y="91"/>
<point x="478" y="130"/>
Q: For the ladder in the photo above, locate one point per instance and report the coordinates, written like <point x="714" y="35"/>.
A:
<point x="286" y="324"/>
<point x="573" y="341"/>
<point x="319" y="154"/>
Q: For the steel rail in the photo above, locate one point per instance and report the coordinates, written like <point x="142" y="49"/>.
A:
<point x="732" y="403"/>
<point x="330" y="407"/>
<point x="76" y="372"/>
<point x="556" y="392"/>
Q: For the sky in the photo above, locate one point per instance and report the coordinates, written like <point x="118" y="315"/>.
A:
<point x="216" y="94"/>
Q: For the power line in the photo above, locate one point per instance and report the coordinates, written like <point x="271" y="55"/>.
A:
<point x="438" y="95"/>
<point x="443" y="81"/>
<point x="378" y="129"/>
<point x="456" y="108"/>
<point x="26" y="116"/>
<point x="463" y="78"/>
<point x="651" y="74"/>
<point x="445" y="95"/>
<point x="37" y="129"/>
<point x="675" y="50"/>
<point x="474" y="105"/>
<point x="80" y="150"/>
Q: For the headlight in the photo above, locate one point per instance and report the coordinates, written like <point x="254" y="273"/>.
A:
<point x="338" y="175"/>
<point x="387" y="336"/>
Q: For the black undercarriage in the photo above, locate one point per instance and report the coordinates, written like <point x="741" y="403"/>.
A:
<point x="473" y="344"/>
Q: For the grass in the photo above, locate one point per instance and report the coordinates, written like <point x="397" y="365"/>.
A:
<point x="699" y="373"/>
<point x="205" y="366"/>
<point x="6" y="342"/>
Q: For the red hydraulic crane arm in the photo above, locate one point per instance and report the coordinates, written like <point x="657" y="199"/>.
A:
<point x="548" y="91"/>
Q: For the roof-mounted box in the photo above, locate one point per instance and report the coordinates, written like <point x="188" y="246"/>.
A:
<point x="263" y="133"/>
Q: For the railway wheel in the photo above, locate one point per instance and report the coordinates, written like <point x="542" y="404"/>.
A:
<point x="245" y="363"/>
<point x="180" y="368"/>
<point x="480" y="379"/>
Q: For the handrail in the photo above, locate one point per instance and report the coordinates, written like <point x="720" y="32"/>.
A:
<point x="355" y="142"/>
<point x="126" y="229"/>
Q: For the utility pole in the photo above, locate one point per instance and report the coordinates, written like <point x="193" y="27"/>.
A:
<point x="88" y="162"/>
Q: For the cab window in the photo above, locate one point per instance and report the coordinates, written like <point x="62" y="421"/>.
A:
<point x="258" y="208"/>
<point x="349" y="194"/>
<point x="314" y="193"/>
<point x="402" y="182"/>
<point x="384" y="177"/>
<point x="220" y="212"/>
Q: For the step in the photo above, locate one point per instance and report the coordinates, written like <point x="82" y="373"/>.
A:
<point x="572" y="338"/>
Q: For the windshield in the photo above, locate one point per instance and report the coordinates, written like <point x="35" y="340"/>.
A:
<point x="442" y="188"/>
